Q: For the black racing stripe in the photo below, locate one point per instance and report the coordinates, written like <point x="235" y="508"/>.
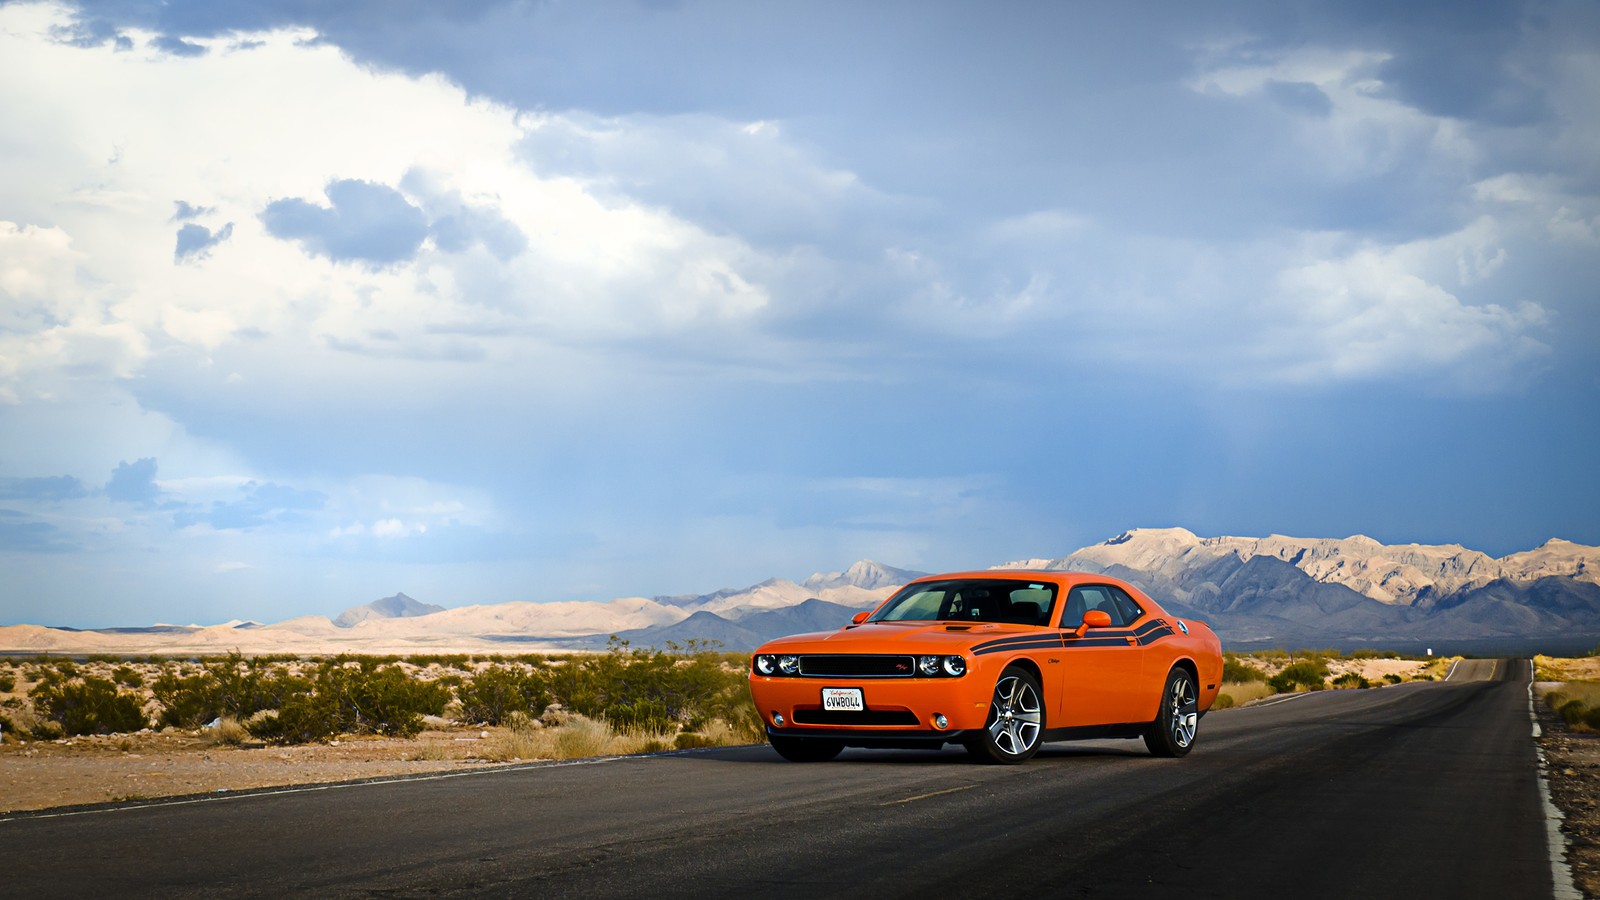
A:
<point x="1032" y="644"/>
<point x="998" y="643"/>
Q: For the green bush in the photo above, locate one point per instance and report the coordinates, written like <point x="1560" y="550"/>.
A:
<point x="1311" y="674"/>
<point x="1572" y="711"/>
<point x="127" y="676"/>
<point x="647" y="715"/>
<point x="690" y="683"/>
<point x="496" y="692"/>
<point x="88" y="705"/>
<point x="351" y="694"/>
<point x="8" y="683"/>
<point x="231" y="686"/>
<point x="1223" y="701"/>
<point x="1238" y="673"/>
<point x="1352" y="680"/>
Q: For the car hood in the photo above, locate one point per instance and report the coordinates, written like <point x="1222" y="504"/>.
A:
<point x="896" y="637"/>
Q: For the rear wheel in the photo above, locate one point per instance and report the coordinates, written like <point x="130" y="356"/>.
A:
<point x="798" y="749"/>
<point x="1173" y="732"/>
<point x="1016" y="720"/>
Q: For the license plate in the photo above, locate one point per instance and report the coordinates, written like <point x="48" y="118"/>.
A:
<point x="843" y="698"/>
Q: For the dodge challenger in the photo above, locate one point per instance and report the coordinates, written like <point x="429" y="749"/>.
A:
<point x="999" y="662"/>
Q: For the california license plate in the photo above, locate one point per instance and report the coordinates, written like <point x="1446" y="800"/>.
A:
<point x="843" y="699"/>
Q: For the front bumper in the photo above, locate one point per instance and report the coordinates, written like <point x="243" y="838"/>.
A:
<point x="900" y="708"/>
<point x="881" y="739"/>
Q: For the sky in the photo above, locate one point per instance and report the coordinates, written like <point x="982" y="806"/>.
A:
<point x="306" y="304"/>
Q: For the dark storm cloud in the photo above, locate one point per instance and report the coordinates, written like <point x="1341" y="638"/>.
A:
<point x="261" y="504"/>
<point x="184" y="211"/>
<point x="177" y="46"/>
<point x="58" y="487"/>
<point x="364" y="222"/>
<point x="19" y="531"/>
<point x="134" y="482"/>
<point x="195" y="240"/>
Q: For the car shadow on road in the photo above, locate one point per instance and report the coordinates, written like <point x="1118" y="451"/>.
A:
<point x="761" y="754"/>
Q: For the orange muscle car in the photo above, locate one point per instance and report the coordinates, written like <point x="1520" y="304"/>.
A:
<point x="998" y="661"/>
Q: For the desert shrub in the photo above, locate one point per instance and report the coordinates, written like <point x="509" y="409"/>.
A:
<point x="1554" y="699"/>
<point x="1393" y="678"/>
<point x="127" y="676"/>
<point x="496" y="692"/>
<point x="1311" y="674"/>
<point x="1223" y="701"/>
<point x="228" y="731"/>
<point x="647" y="715"/>
<point x="1591" y="717"/>
<point x="1351" y="680"/>
<point x="681" y="684"/>
<point x="231" y="686"/>
<point x="1572" y="711"/>
<point x="1237" y="672"/>
<point x="88" y="705"/>
<point x="351" y="694"/>
<point x="8" y="683"/>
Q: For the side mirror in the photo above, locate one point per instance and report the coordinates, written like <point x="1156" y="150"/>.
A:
<point x="860" y="617"/>
<point x="1094" y="618"/>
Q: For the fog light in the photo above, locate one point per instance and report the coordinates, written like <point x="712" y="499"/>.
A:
<point x="940" y="722"/>
<point x="777" y="719"/>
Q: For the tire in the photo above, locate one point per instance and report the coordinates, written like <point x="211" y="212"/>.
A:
<point x="1015" y="726"/>
<point x="798" y="749"/>
<point x="1173" y="732"/>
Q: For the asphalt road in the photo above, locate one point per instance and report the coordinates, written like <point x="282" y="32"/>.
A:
<point x="1415" y="791"/>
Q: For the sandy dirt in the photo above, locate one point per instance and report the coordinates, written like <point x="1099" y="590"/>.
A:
<point x="1572" y="761"/>
<point x="109" y="768"/>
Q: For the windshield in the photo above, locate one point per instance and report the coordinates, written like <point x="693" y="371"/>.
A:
<point x="970" y="600"/>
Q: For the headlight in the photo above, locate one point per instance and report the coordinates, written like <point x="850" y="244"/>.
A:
<point x="789" y="665"/>
<point x="941" y="666"/>
<point x="766" y="664"/>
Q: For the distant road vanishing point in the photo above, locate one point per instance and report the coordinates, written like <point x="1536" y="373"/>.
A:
<point x="1416" y="790"/>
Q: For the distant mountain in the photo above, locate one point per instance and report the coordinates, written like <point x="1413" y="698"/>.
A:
<point x="1272" y="591"/>
<point x="744" y="634"/>
<point x="397" y="607"/>
<point x="1354" y="590"/>
<point x="865" y="574"/>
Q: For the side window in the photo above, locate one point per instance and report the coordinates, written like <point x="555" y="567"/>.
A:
<point x="1130" y="610"/>
<point x="1113" y="602"/>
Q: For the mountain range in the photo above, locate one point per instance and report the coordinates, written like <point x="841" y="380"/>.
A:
<point x="1257" y="592"/>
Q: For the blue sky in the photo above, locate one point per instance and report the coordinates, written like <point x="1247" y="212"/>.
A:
<point x="304" y="304"/>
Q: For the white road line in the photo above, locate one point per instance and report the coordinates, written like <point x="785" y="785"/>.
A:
<point x="1452" y="671"/>
<point x="1283" y="699"/>
<point x="1560" y="870"/>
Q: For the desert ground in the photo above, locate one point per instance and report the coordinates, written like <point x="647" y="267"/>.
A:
<point x="169" y="762"/>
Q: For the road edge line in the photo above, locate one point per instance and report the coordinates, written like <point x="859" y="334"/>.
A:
<point x="1561" y="883"/>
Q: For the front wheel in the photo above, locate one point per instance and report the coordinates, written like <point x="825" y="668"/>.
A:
<point x="798" y="749"/>
<point x="1172" y="734"/>
<point x="1016" y="720"/>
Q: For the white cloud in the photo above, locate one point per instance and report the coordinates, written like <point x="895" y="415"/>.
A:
<point x="89" y="203"/>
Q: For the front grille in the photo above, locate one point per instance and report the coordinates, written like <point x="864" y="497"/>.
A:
<point x="846" y="717"/>
<point x="857" y="666"/>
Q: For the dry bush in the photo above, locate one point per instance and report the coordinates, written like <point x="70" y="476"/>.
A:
<point x="579" y="738"/>
<point x="1246" y="691"/>
<point x="228" y="731"/>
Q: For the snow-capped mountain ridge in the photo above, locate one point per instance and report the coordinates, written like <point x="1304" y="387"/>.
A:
<point x="1403" y="574"/>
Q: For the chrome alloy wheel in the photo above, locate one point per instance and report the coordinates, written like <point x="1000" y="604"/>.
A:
<point x="1015" y="716"/>
<point x="1183" y="712"/>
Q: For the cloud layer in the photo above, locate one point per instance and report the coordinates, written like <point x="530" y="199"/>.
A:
<point x="328" y="303"/>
